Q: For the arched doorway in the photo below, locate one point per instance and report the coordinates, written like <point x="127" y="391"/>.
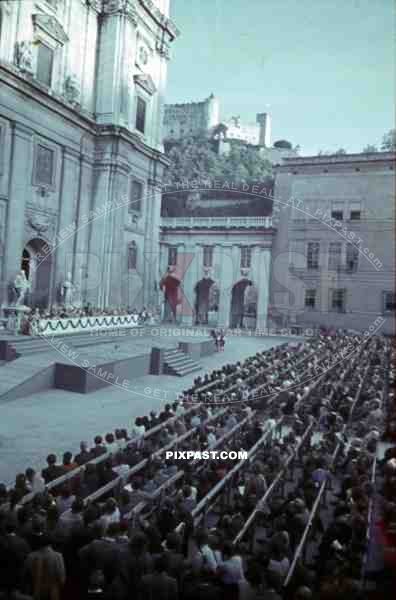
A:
<point x="244" y="305"/>
<point x="206" y="302"/>
<point x="170" y="287"/>
<point x="37" y="265"/>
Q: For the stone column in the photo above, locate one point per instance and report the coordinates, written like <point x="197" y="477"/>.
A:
<point x="65" y="241"/>
<point x="19" y="191"/>
<point x="151" y="241"/>
<point x="97" y="237"/>
<point x="117" y="263"/>
<point x="228" y="256"/>
<point x="263" y="287"/>
<point x="189" y="280"/>
<point x="81" y="238"/>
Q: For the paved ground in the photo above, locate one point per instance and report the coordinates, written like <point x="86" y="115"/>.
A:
<point x="56" y="421"/>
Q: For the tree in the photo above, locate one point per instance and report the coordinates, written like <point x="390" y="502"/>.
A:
<point x="283" y="144"/>
<point x="196" y="158"/>
<point x="340" y="151"/>
<point x="192" y="159"/>
<point x="369" y="148"/>
<point x="388" y="143"/>
<point x="244" y="162"/>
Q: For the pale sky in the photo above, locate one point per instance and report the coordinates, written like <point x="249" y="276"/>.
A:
<point x="323" y="69"/>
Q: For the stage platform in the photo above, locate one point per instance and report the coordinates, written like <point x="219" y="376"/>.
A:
<point x="56" y="420"/>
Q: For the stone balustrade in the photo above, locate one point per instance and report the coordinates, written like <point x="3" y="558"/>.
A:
<point x="51" y="327"/>
<point x="217" y="222"/>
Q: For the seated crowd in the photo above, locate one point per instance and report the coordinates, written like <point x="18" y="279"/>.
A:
<point x="144" y="536"/>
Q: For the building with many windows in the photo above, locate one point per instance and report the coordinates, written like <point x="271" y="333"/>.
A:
<point x="334" y="253"/>
<point x="217" y="244"/>
<point x="82" y="87"/>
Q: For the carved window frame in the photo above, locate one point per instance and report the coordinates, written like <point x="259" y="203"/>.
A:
<point x="132" y="206"/>
<point x="49" y="146"/>
<point x="54" y="43"/>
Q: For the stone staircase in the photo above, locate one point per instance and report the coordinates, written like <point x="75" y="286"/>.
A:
<point x="179" y="363"/>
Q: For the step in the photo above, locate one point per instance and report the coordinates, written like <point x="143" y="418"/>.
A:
<point x="185" y="371"/>
<point x="177" y="360"/>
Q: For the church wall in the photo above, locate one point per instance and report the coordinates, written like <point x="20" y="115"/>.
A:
<point x="92" y="165"/>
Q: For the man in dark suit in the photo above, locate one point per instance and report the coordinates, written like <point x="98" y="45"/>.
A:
<point x="158" y="585"/>
<point x="53" y="471"/>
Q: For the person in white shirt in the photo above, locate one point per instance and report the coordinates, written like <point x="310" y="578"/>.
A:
<point x="121" y="468"/>
<point x="34" y="482"/>
<point x="211" y="439"/>
<point x="137" y="432"/>
<point x="195" y="421"/>
<point x="230" y="571"/>
<point x="204" y="556"/>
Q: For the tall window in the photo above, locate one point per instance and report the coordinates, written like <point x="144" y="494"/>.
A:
<point x="172" y="255"/>
<point x="310" y="298"/>
<point x="337" y="211"/>
<point x="334" y="255"/>
<point x="141" y="109"/>
<point x="44" y="165"/>
<point x="389" y="302"/>
<point x="132" y="255"/>
<point x="45" y="61"/>
<point x="352" y="258"/>
<point x="338" y="300"/>
<point x="355" y="210"/>
<point x="313" y="255"/>
<point x="208" y="256"/>
<point x="246" y="257"/>
<point x="135" y="204"/>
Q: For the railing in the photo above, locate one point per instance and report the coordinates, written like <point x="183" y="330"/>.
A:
<point x="224" y="222"/>
<point x="143" y="463"/>
<point x="103" y="457"/>
<point x="51" y="327"/>
<point x="251" y="518"/>
<point x="312" y="515"/>
<point x="219" y="443"/>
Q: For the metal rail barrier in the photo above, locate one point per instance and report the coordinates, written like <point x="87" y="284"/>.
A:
<point x="144" y="503"/>
<point x="301" y="546"/>
<point x="272" y="486"/>
<point x="143" y="463"/>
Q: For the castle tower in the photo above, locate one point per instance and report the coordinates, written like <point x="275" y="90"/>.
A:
<point x="263" y="119"/>
<point x="213" y="111"/>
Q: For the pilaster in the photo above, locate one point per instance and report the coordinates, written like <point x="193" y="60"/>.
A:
<point x="263" y="287"/>
<point x="19" y="190"/>
<point x="64" y="254"/>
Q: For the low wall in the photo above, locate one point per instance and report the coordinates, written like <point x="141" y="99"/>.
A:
<point x="74" y="378"/>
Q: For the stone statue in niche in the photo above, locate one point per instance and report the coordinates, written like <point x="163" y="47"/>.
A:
<point x="72" y="90"/>
<point x="24" y="57"/>
<point x="67" y="291"/>
<point x="132" y="255"/>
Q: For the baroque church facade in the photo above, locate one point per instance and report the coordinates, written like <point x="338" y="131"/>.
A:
<point x="82" y="86"/>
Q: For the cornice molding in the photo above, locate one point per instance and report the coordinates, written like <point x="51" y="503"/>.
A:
<point x="167" y="24"/>
<point x="146" y="82"/>
<point x="11" y="76"/>
<point x="121" y="7"/>
<point x="51" y="26"/>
